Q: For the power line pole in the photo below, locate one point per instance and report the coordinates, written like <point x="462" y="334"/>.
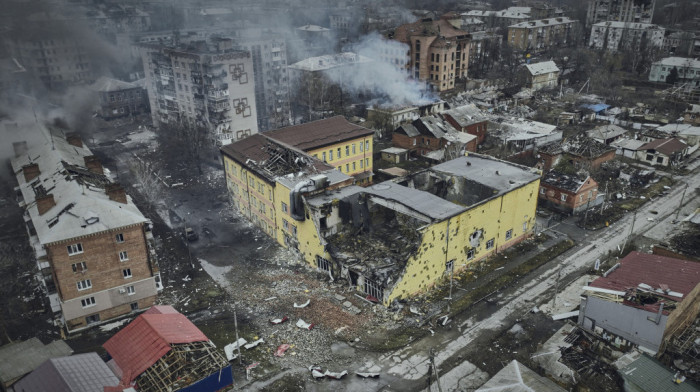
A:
<point x="634" y="218"/>
<point x="681" y="205"/>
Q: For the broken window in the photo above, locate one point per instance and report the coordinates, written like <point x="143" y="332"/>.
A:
<point x="84" y="284"/>
<point x="374" y="290"/>
<point x="123" y="256"/>
<point x="489" y="244"/>
<point x="563" y="197"/>
<point x="470" y="254"/>
<point x="475" y="239"/>
<point x="366" y="145"/>
<point x="542" y="190"/>
<point x="285" y="224"/>
<point x="324" y="156"/>
<point x="126" y="273"/>
<point x="134" y="306"/>
<point x="93" y="318"/>
<point x="449" y="266"/>
<point x="75" y="249"/>
<point x="323" y="264"/>
<point x="294" y="231"/>
<point x="87" y="302"/>
<point x="79" y="267"/>
<point x="509" y="234"/>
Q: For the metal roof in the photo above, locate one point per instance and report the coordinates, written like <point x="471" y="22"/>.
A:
<point x="542" y="68"/>
<point x="516" y="377"/>
<point x="78" y="193"/>
<point x="647" y="375"/>
<point x="320" y="133"/>
<point x="665" y="146"/>
<point x="146" y="339"/>
<point x="20" y="358"/>
<point x="77" y="373"/>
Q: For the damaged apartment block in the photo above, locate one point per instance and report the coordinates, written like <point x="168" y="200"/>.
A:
<point x="390" y="240"/>
<point x="94" y="248"/>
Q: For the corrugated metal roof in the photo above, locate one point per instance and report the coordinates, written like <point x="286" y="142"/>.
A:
<point x="161" y="309"/>
<point x="146" y="339"/>
<point x="542" y="68"/>
<point x="77" y="373"/>
<point x="648" y="375"/>
<point x="516" y="377"/>
<point x="20" y="358"/>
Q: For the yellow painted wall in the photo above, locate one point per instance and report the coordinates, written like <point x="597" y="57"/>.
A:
<point x="428" y="265"/>
<point x="254" y="199"/>
<point x="345" y="161"/>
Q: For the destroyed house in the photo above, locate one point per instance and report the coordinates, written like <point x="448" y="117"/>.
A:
<point x="606" y="134"/>
<point x="469" y="119"/>
<point x="398" y="238"/>
<point x="642" y="301"/>
<point x="568" y="192"/>
<point x="93" y="247"/>
<point x="431" y="134"/>
<point x="588" y="153"/>
<point x="161" y="350"/>
<point x="336" y="141"/>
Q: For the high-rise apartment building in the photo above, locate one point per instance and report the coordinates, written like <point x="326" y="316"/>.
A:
<point x="205" y="83"/>
<point x="638" y="11"/>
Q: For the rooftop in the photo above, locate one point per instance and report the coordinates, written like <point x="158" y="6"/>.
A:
<point x="679" y="62"/>
<point x="542" y="23"/>
<point x="606" y="132"/>
<point x="82" y="205"/>
<point x="105" y="84"/>
<point x="664" y="276"/>
<point x="430" y="28"/>
<point x="394" y="150"/>
<point x="466" y="114"/>
<point x="542" y="68"/>
<point x="20" y="358"/>
<point x="310" y="27"/>
<point x="648" y="375"/>
<point x="320" y="133"/>
<point x="77" y="373"/>
<point x="146" y="339"/>
<point x="666" y="146"/>
<point x="564" y="181"/>
<point x="330" y="61"/>
<point x="628" y="144"/>
<point x="516" y="377"/>
<point x="627" y="25"/>
<point x="681" y="129"/>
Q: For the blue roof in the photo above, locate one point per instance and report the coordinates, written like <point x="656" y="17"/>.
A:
<point x="598" y="107"/>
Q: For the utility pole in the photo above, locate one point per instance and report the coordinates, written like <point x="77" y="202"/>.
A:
<point x="235" y="325"/>
<point x="433" y="370"/>
<point x="634" y="218"/>
<point x="681" y="205"/>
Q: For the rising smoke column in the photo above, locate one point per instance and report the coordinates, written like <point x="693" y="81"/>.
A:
<point x="386" y="79"/>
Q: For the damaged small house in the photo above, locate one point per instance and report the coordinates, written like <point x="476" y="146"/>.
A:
<point x="390" y="240"/>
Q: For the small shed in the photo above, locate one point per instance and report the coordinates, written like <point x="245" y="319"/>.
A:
<point x="20" y="358"/>
<point x="395" y="154"/>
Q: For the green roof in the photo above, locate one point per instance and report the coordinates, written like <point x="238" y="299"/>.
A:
<point x="648" y="375"/>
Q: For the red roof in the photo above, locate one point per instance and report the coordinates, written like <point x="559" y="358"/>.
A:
<point x="146" y="339"/>
<point x="659" y="272"/>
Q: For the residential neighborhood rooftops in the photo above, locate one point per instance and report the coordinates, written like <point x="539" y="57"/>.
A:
<point x="20" y="358"/>
<point x="466" y="114"/>
<point x="628" y="144"/>
<point x="664" y="275"/>
<point x="330" y="61"/>
<point x="542" y="68"/>
<point x="542" y="23"/>
<point x="605" y="132"/>
<point x="564" y="181"/>
<point x="76" y="373"/>
<point x="516" y="377"/>
<point x="320" y="133"/>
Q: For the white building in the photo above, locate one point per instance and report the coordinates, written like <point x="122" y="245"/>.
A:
<point x="614" y="36"/>
<point x="688" y="70"/>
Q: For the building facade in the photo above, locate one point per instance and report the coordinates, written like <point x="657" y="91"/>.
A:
<point x="542" y="34"/>
<point x="626" y="11"/>
<point x="117" y="98"/>
<point x="616" y="36"/>
<point x="202" y="83"/>
<point x="438" y="52"/>
<point x="568" y="193"/>
<point x="542" y="75"/>
<point x="93" y="246"/>
<point x="687" y="70"/>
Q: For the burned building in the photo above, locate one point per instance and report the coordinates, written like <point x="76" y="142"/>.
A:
<point x="205" y="83"/>
<point x="398" y="238"/>
<point x="94" y="248"/>
<point x="433" y="138"/>
<point x="117" y="98"/>
<point x="568" y="192"/>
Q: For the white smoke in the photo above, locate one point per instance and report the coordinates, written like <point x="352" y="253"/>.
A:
<point x="386" y="77"/>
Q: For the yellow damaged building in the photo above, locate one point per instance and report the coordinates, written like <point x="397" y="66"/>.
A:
<point x="390" y="240"/>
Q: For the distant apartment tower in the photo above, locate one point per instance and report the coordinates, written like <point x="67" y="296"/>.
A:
<point x="638" y="11"/>
<point x="542" y="34"/>
<point x="204" y="83"/>
<point x="55" y="57"/>
<point x="438" y="52"/>
<point x="269" y="55"/>
<point x="616" y="36"/>
<point x="93" y="247"/>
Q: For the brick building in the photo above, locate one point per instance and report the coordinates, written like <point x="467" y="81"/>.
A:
<point x="469" y="119"/>
<point x="542" y="34"/>
<point x="430" y="134"/>
<point x="438" y="52"/>
<point x="93" y="246"/>
<point x="117" y="98"/>
<point x="567" y="193"/>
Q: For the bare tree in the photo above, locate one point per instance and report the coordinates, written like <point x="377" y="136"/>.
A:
<point x="149" y="179"/>
<point x="185" y="142"/>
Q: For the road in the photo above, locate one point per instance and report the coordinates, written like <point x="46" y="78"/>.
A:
<point x="408" y="365"/>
